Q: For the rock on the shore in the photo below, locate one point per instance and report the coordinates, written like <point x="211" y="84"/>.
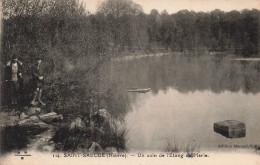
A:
<point x="41" y="119"/>
<point x="102" y="113"/>
<point x="51" y="117"/>
<point x="32" y="110"/>
<point x="23" y="116"/>
<point x="103" y="120"/>
<point x="95" y="147"/>
<point x="230" y="128"/>
<point x="32" y="121"/>
<point x="77" y="124"/>
<point x="101" y="117"/>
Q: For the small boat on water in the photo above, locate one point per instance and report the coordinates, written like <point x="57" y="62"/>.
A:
<point x="139" y="90"/>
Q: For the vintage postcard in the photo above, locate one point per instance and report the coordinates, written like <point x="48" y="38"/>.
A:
<point x="130" y="82"/>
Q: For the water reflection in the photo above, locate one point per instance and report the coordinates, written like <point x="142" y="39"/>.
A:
<point x="188" y="95"/>
<point x="189" y="117"/>
<point x="190" y="74"/>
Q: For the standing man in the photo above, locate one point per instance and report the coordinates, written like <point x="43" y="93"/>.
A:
<point x="37" y="82"/>
<point x="13" y="75"/>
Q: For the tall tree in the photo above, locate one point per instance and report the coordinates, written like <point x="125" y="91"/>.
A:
<point x="118" y="8"/>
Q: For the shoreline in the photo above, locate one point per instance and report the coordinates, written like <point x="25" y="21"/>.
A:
<point x="246" y="59"/>
<point x="131" y="57"/>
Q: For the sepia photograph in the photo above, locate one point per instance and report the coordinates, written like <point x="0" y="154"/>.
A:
<point x="130" y="81"/>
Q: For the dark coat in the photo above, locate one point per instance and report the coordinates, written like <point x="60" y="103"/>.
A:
<point x="9" y="85"/>
<point x="8" y="71"/>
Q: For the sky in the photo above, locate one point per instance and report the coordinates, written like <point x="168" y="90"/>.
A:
<point x="173" y="6"/>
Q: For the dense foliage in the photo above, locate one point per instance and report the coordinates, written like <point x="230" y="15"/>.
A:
<point x="72" y="45"/>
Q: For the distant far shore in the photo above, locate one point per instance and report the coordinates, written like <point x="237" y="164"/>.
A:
<point x="246" y="59"/>
<point x="130" y="57"/>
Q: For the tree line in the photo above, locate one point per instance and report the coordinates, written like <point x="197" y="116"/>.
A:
<point x="120" y="26"/>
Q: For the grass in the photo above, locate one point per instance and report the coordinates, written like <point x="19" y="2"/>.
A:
<point x="175" y="146"/>
<point x="75" y="140"/>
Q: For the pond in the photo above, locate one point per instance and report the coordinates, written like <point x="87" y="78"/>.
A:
<point x="188" y="95"/>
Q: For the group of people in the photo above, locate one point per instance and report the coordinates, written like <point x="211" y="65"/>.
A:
<point x="14" y="81"/>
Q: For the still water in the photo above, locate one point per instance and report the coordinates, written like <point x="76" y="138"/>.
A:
<point x="189" y="94"/>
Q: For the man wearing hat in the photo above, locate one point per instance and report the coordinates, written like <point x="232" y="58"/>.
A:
<point x="37" y="82"/>
<point x="13" y="75"/>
